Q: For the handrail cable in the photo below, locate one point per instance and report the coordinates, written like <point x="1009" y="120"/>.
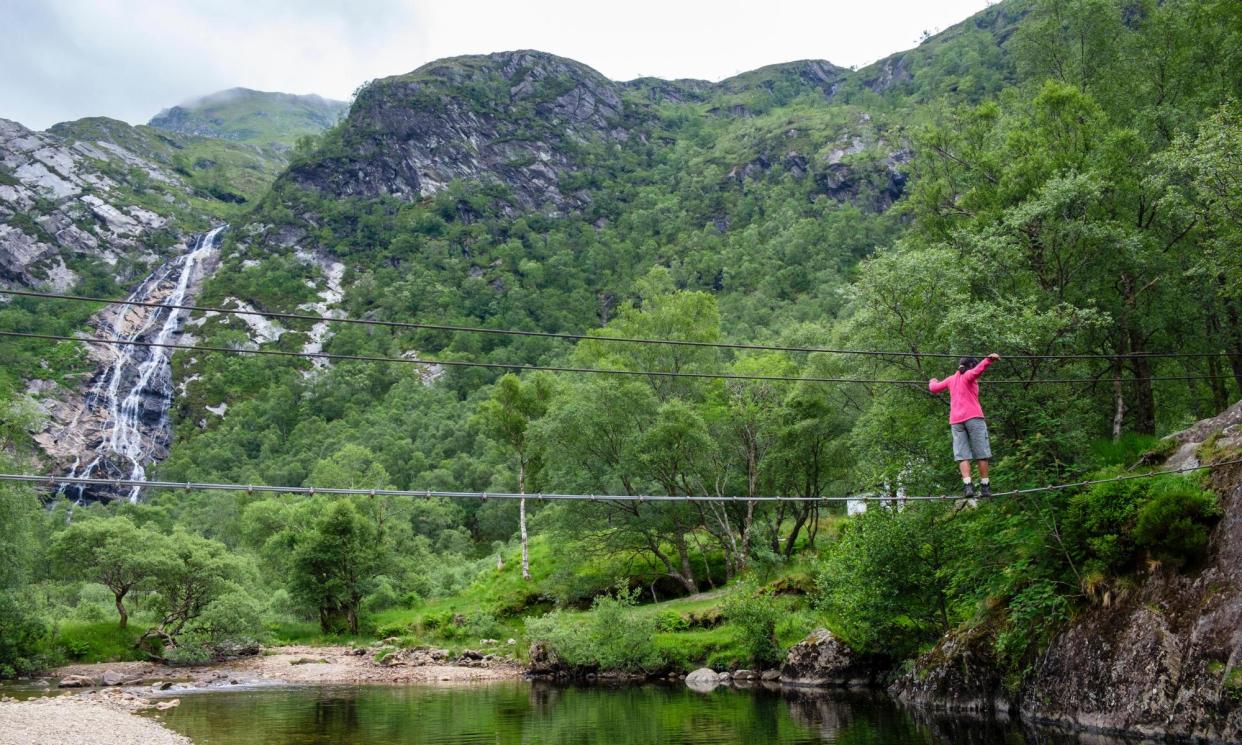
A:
<point x="588" y="337"/>
<point x="591" y="370"/>
<point x="427" y="493"/>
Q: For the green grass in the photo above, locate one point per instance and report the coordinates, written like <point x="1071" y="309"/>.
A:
<point x="308" y="633"/>
<point x="98" y="641"/>
<point x="497" y="604"/>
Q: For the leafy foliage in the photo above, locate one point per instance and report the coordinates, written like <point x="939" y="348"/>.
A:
<point x="608" y="638"/>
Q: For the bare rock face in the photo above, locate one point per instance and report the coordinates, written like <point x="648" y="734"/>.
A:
<point x="959" y="675"/>
<point x="822" y="660"/>
<point x="57" y="201"/>
<point x="117" y="423"/>
<point x="513" y="117"/>
<point x="76" y="681"/>
<point x="1168" y="658"/>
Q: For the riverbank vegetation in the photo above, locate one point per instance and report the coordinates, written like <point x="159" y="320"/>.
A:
<point x="1041" y="212"/>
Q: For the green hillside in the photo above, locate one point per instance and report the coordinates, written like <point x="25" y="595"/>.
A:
<point x="255" y="117"/>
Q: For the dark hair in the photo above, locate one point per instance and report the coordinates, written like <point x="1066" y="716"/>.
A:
<point x="966" y="363"/>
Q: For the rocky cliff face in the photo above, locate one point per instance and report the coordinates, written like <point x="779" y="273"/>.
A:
<point x="116" y="424"/>
<point x="94" y="200"/>
<point x="822" y="661"/>
<point x="514" y="117"/>
<point x="525" y="119"/>
<point x="100" y="192"/>
<point x="1168" y="658"/>
<point x="58" y="201"/>
<point x="1164" y="659"/>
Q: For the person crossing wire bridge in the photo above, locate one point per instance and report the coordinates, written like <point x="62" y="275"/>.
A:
<point x="966" y="421"/>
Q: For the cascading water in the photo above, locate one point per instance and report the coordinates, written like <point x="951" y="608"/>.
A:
<point x="129" y="400"/>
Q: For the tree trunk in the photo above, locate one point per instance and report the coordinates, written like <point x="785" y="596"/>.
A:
<point x="747" y="531"/>
<point x="686" y="575"/>
<point x="120" y="608"/>
<point x="1144" y="396"/>
<point x="1216" y="380"/>
<point x="1119" y="403"/>
<point x="1144" y="409"/>
<point x="800" y="515"/>
<point x="1235" y="340"/>
<point x="522" y="520"/>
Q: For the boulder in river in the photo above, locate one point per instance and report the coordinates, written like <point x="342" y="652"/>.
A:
<point x="823" y="660"/>
<point x="112" y="678"/>
<point x="704" y="679"/>
<point x="76" y="681"/>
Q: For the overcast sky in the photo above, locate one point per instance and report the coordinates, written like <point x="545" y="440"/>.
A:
<point x="64" y="59"/>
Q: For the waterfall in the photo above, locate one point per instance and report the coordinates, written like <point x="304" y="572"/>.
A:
<point x="131" y="396"/>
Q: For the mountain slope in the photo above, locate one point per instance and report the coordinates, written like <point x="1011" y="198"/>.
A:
<point x="517" y="117"/>
<point x="255" y="117"/>
<point x="98" y="195"/>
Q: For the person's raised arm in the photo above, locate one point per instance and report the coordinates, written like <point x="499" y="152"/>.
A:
<point x="938" y="386"/>
<point x="977" y="370"/>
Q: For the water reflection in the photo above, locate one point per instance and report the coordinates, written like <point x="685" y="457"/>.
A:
<point x="540" y="713"/>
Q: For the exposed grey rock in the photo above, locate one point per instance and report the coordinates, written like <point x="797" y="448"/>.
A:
<point x="703" y="680"/>
<point x="76" y="681"/>
<point x="1166" y="657"/>
<point x="959" y="675"/>
<point x="56" y="202"/>
<point x="411" y="135"/>
<point x="823" y="660"/>
<point x="112" y="678"/>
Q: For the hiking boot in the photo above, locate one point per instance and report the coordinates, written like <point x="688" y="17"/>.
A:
<point x="970" y="489"/>
<point x="985" y="490"/>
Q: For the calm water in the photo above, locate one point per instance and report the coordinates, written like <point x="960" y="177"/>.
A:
<point x="524" y="713"/>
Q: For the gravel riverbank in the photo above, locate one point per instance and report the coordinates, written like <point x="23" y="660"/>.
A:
<point x="297" y="665"/>
<point x="76" y="720"/>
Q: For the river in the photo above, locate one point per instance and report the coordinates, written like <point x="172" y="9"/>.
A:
<point x="517" y="712"/>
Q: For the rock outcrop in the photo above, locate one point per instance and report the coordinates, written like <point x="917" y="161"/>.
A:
<point x="1164" y="659"/>
<point x="704" y="680"/>
<point x="57" y="203"/>
<point x="822" y="660"/>
<point x="516" y="118"/>
<point x="116" y="423"/>
<point x="959" y="675"/>
<point x="1168" y="657"/>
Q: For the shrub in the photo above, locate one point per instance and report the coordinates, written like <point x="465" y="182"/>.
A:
<point x="482" y="625"/>
<point x="612" y="636"/>
<point x="1034" y="614"/>
<point x="1109" y="524"/>
<point x="755" y="615"/>
<point x="23" y="638"/>
<point x="230" y="625"/>
<point x="1173" y="527"/>
<point x="384" y="595"/>
<point x="669" y="620"/>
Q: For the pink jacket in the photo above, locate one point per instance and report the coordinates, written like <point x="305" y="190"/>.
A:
<point x="963" y="388"/>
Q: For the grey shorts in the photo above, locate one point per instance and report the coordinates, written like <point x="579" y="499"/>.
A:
<point x="970" y="440"/>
